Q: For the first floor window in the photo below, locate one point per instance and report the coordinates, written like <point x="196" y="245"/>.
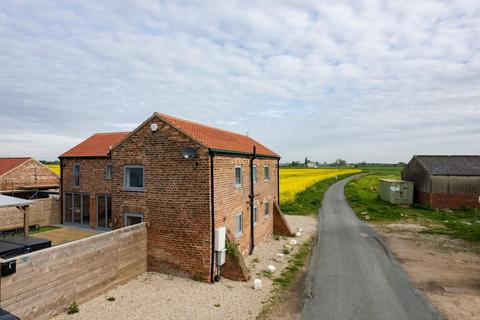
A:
<point x="76" y="175"/>
<point x="266" y="173"/>
<point x="255" y="216"/>
<point x="133" y="178"/>
<point x="267" y="209"/>
<point x="108" y="172"/>
<point x="254" y="173"/>
<point x="238" y="177"/>
<point x="238" y="224"/>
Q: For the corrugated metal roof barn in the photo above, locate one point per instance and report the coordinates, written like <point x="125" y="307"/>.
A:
<point x="445" y="181"/>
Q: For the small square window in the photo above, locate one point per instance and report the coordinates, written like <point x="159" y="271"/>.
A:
<point x="238" y="177"/>
<point x="266" y="173"/>
<point x="108" y="172"/>
<point x="267" y="209"/>
<point x="255" y="216"/>
<point x="238" y="224"/>
<point x="76" y="175"/>
<point x="133" y="178"/>
<point x="254" y="173"/>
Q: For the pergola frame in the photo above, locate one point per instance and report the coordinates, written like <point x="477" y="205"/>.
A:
<point x="22" y="205"/>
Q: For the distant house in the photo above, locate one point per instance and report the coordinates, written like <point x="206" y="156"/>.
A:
<point x="21" y="175"/>
<point x="445" y="181"/>
<point x="184" y="179"/>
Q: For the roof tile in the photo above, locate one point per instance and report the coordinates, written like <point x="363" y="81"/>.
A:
<point x="97" y="145"/>
<point x="7" y="164"/>
<point x="451" y="165"/>
<point x="218" y="139"/>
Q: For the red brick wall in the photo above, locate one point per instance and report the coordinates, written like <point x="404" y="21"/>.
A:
<point x="229" y="199"/>
<point x="92" y="181"/>
<point x="29" y="173"/>
<point x="175" y="201"/>
<point x="449" y="201"/>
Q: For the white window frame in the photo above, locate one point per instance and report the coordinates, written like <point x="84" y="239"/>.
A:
<point x="254" y="173"/>
<point x="255" y="216"/>
<point x="238" y="228"/>
<point x="266" y="205"/>
<point x="108" y="175"/>
<point x="126" y="178"/>
<point x="266" y="169"/>
<point x="76" y="165"/>
<point x="237" y="185"/>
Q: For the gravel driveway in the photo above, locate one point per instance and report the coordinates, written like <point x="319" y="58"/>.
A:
<point x="159" y="296"/>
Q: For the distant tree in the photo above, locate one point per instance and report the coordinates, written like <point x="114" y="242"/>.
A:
<point x="306" y="161"/>
<point x="340" y="163"/>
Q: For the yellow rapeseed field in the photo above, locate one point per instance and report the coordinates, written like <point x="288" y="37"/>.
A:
<point x="294" y="181"/>
<point x="55" y="168"/>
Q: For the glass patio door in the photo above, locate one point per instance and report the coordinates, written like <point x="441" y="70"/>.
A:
<point x="104" y="211"/>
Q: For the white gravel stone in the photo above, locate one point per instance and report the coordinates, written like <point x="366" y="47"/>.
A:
<point x="155" y="296"/>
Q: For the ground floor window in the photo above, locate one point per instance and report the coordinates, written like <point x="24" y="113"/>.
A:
<point x="238" y="224"/>
<point x="131" y="218"/>
<point x="104" y="211"/>
<point x="77" y="208"/>
<point x="255" y="216"/>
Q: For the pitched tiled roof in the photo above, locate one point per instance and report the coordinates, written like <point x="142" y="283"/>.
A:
<point x="97" y="145"/>
<point x="7" y="164"/>
<point x="451" y="165"/>
<point x="218" y="139"/>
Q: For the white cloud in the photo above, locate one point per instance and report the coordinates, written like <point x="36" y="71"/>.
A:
<point x="370" y="80"/>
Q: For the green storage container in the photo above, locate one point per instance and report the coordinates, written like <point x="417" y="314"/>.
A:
<point x="396" y="191"/>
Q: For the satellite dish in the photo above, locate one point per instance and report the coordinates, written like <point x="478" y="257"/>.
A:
<point x="153" y="127"/>
<point x="188" y="153"/>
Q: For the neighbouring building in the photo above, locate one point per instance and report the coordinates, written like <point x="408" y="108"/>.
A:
<point x="184" y="179"/>
<point x="450" y="182"/>
<point x="25" y="176"/>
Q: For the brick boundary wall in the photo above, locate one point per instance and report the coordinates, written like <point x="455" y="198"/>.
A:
<point x="280" y="224"/>
<point x="449" y="201"/>
<point x="235" y="267"/>
<point x="46" y="282"/>
<point x="43" y="212"/>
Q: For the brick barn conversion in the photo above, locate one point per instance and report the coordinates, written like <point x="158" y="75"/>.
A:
<point x="449" y="182"/>
<point x="185" y="180"/>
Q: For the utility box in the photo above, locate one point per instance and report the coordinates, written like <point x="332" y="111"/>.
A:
<point x="396" y="191"/>
<point x="220" y="238"/>
<point x="221" y="257"/>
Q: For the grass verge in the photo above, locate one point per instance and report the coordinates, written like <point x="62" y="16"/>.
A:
<point x="287" y="277"/>
<point x="308" y="201"/>
<point x="363" y="197"/>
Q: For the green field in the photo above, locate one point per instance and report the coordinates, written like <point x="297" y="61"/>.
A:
<point x="363" y="197"/>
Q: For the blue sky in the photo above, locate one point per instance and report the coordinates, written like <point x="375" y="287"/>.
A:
<point x="359" y="80"/>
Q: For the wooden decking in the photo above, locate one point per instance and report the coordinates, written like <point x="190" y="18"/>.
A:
<point x="65" y="234"/>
